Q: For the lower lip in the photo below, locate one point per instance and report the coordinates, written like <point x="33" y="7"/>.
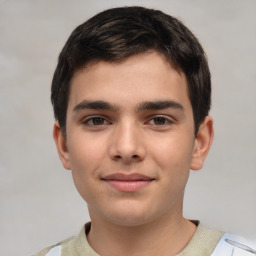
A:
<point x="128" y="186"/>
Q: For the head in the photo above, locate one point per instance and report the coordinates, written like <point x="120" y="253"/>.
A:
<point x="117" y="34"/>
<point x="131" y="94"/>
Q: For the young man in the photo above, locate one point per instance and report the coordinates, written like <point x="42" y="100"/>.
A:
<point x="131" y="96"/>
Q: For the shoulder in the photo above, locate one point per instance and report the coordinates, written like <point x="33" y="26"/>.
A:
<point x="74" y="246"/>
<point x="55" y="250"/>
<point x="225" y="244"/>
<point x="234" y="245"/>
<point x="212" y="242"/>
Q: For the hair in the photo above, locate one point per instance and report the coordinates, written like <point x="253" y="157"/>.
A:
<point x="116" y="34"/>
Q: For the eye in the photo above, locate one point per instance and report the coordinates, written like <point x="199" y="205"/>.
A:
<point x="160" y="121"/>
<point x="95" y="121"/>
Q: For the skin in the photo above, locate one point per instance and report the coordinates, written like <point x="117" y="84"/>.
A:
<point x="112" y="129"/>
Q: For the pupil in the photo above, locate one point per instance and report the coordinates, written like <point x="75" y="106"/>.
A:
<point x="98" y="121"/>
<point x="159" y="120"/>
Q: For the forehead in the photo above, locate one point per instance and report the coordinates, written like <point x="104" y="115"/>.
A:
<point x="146" y="76"/>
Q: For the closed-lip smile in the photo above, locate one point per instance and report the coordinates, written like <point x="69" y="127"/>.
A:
<point x="127" y="182"/>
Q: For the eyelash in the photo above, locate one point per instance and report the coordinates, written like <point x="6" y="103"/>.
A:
<point x="89" y="121"/>
<point x="166" y="120"/>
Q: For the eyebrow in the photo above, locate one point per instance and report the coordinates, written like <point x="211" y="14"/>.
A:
<point x="147" y="105"/>
<point x="159" y="105"/>
<point x="99" y="104"/>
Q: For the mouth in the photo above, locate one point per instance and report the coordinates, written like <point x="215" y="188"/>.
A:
<point x="128" y="182"/>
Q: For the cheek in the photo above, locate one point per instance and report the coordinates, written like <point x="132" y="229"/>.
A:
<point x="173" y="154"/>
<point x="86" y="158"/>
<point x="85" y="152"/>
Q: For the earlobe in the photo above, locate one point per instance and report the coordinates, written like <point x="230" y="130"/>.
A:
<point x="202" y="143"/>
<point x="61" y="146"/>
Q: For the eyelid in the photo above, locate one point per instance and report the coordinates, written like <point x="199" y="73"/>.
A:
<point x="85" y="121"/>
<point x="168" y="119"/>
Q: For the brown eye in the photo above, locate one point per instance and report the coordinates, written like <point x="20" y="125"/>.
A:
<point x="97" y="121"/>
<point x="159" y="120"/>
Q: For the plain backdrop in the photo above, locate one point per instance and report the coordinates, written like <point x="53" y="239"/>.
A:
<point x="39" y="203"/>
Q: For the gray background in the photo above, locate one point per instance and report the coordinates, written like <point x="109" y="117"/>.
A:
<point x="39" y="204"/>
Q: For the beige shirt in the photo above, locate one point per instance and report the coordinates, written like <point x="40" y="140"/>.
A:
<point x="202" y="243"/>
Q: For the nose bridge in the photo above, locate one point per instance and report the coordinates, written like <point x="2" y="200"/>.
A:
<point x="127" y="142"/>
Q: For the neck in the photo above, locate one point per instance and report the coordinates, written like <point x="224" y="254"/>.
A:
<point x="165" y="236"/>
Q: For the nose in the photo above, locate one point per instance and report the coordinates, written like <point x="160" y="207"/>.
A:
<point x="127" y="144"/>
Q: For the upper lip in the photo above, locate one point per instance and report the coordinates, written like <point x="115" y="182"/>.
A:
<point x="127" y="177"/>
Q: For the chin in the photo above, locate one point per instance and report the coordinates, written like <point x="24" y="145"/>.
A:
<point x="129" y="221"/>
<point x="131" y="216"/>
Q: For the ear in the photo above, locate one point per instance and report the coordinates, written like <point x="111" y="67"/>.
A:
<point x="61" y="146"/>
<point x="202" y="144"/>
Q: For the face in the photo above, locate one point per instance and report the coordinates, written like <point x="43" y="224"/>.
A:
<point x="130" y="139"/>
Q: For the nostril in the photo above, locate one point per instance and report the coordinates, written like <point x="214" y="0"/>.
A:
<point x="117" y="157"/>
